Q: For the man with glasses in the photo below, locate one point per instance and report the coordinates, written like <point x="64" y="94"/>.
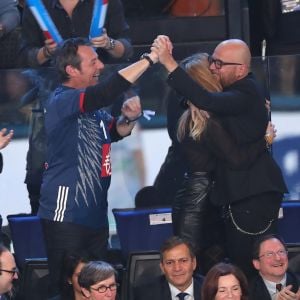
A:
<point x="8" y="273"/>
<point x="270" y="258"/>
<point x="250" y="199"/>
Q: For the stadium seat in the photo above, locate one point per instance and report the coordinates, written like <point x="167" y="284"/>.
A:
<point x="289" y="224"/>
<point x="27" y="238"/>
<point x="141" y="267"/>
<point x="34" y="280"/>
<point x="142" y="229"/>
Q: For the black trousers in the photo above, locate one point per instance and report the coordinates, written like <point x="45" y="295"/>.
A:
<point x="170" y="177"/>
<point x="197" y="220"/>
<point x="245" y="221"/>
<point x="63" y="237"/>
<point x="34" y="196"/>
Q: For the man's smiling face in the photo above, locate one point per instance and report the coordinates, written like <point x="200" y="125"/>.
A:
<point x="272" y="262"/>
<point x="178" y="266"/>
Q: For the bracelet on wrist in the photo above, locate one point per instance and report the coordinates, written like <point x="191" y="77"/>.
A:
<point x="111" y="44"/>
<point x="128" y="121"/>
<point x="148" y="58"/>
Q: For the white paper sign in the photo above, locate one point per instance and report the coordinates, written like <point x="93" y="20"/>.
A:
<point x="156" y="219"/>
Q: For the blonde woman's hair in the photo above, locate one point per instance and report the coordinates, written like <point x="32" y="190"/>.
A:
<point x="193" y="121"/>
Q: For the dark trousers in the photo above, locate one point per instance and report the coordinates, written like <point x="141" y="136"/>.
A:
<point x="197" y="220"/>
<point x="62" y="237"/>
<point x="247" y="220"/>
<point x="34" y="196"/>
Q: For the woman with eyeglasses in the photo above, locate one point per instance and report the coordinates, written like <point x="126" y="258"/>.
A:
<point x="97" y="280"/>
<point x="202" y="143"/>
<point x="225" y="281"/>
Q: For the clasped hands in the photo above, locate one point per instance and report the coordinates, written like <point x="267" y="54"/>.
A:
<point x="161" y="50"/>
<point x="287" y="294"/>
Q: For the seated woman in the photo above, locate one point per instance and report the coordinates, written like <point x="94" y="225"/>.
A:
<point x="97" y="280"/>
<point x="225" y="281"/>
<point x="72" y="266"/>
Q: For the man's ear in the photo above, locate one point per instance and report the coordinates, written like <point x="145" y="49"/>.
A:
<point x="161" y="267"/>
<point x="71" y="71"/>
<point x="194" y="261"/>
<point x="241" y="71"/>
<point x="256" y="264"/>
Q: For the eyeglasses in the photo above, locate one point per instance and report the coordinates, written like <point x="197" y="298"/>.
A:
<point x="14" y="271"/>
<point x="219" y="63"/>
<point x="103" y="288"/>
<point x="271" y="254"/>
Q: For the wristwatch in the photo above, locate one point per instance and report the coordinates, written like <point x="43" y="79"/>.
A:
<point x="148" y="58"/>
<point x="111" y="44"/>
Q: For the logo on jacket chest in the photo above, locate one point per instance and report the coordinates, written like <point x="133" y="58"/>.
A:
<point x="106" y="163"/>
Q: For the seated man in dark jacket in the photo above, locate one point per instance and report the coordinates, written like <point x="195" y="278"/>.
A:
<point x="270" y="258"/>
<point x="178" y="263"/>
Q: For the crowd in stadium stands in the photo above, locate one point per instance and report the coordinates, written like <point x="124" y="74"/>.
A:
<point x="217" y="173"/>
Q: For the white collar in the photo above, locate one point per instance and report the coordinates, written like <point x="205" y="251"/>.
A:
<point x="175" y="291"/>
<point x="271" y="286"/>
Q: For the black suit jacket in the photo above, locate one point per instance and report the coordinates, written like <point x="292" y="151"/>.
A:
<point x="241" y="109"/>
<point x="258" y="289"/>
<point x="160" y="290"/>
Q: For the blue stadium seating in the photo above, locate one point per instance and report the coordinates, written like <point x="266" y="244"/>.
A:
<point x="289" y="225"/>
<point x="142" y="229"/>
<point x="138" y="230"/>
<point x="27" y="237"/>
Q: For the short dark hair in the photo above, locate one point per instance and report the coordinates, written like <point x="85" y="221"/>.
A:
<point x="147" y="197"/>
<point x="94" y="272"/>
<point x="70" y="262"/>
<point x="263" y="238"/>
<point x="210" y="284"/>
<point x="67" y="54"/>
<point x="173" y="242"/>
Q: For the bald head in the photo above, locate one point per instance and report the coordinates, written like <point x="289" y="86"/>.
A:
<point x="234" y="61"/>
<point x="235" y="50"/>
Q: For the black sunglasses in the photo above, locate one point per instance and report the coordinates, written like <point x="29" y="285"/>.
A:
<point x="219" y="63"/>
